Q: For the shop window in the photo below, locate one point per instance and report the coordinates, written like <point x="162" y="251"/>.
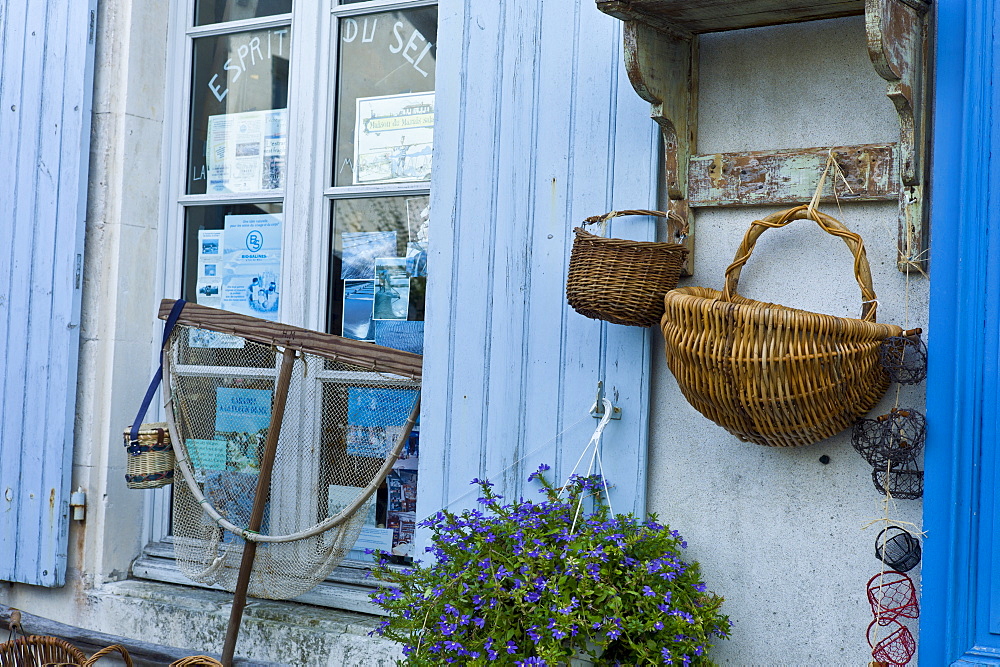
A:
<point x="271" y="97"/>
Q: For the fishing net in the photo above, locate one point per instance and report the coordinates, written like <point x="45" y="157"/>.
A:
<point x="341" y="427"/>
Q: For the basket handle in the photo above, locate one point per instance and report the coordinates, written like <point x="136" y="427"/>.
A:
<point x="168" y="328"/>
<point x="661" y="214"/>
<point x="830" y="225"/>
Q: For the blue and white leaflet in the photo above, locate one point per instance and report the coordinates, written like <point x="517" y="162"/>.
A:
<point x="251" y="273"/>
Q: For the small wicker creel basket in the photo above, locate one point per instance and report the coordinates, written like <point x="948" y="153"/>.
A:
<point x="150" y="459"/>
<point x="770" y="374"/>
<point x="621" y="281"/>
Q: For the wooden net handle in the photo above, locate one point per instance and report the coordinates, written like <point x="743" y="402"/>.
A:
<point x="614" y="214"/>
<point x="862" y="271"/>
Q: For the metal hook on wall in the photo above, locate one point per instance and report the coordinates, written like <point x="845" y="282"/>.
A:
<point x="597" y="411"/>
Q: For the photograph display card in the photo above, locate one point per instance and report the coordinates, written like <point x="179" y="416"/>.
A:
<point x="400" y="335"/>
<point x="360" y="250"/>
<point x="375" y="419"/>
<point x="394" y="138"/>
<point x="359" y="307"/>
<point x="392" y="288"/>
<point x="209" y="256"/>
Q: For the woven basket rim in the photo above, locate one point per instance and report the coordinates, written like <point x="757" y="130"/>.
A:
<point x="705" y="297"/>
<point x="587" y="237"/>
<point x="149" y="427"/>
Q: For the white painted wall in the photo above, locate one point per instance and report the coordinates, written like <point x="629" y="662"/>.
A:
<point x="777" y="532"/>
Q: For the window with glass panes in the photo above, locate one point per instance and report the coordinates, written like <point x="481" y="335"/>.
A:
<point x="302" y="176"/>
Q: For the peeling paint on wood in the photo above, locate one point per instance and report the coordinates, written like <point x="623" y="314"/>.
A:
<point x="699" y="16"/>
<point x="658" y="30"/>
<point x="663" y="71"/>
<point x="791" y="176"/>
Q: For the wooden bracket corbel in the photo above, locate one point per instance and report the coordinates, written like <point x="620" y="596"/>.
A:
<point x="897" y="44"/>
<point x="662" y="68"/>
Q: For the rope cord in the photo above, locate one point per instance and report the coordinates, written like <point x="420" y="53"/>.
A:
<point x="515" y="464"/>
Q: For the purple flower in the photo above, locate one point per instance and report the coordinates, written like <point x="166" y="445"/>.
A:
<point x="511" y="647"/>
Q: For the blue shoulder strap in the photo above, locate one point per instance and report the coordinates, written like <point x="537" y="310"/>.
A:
<point x="168" y="328"/>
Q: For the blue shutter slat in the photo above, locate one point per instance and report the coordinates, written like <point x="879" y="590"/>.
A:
<point x="534" y="133"/>
<point x="46" y="102"/>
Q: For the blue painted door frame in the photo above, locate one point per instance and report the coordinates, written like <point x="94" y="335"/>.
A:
<point x="960" y="621"/>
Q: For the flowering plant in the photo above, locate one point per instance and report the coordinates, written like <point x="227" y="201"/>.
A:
<point x="537" y="583"/>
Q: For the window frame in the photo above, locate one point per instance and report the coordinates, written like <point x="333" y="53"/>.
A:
<point x="308" y="195"/>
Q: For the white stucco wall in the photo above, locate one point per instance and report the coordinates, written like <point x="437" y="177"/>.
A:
<point x="777" y="532"/>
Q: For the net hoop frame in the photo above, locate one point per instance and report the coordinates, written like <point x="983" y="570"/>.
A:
<point x="184" y="465"/>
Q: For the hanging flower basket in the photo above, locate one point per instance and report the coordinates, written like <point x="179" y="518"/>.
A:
<point x="770" y="374"/>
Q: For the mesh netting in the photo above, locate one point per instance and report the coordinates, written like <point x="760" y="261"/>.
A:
<point x="340" y="429"/>
<point x="905" y="482"/>
<point x="895" y="438"/>
<point x="904" y="358"/>
<point x="894" y="649"/>
<point x="897" y="548"/>
<point x="892" y="596"/>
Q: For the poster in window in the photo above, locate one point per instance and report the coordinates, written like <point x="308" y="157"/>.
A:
<point x="246" y="151"/>
<point x="394" y="138"/>
<point x="418" y="210"/>
<point x="241" y="420"/>
<point x="251" y="268"/>
<point x="208" y="291"/>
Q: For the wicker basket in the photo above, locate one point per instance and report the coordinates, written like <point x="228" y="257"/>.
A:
<point x="150" y="460"/>
<point x="39" y="650"/>
<point x="770" y="374"/>
<point x="621" y="281"/>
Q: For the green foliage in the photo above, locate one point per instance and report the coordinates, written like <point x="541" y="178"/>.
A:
<point x="537" y="583"/>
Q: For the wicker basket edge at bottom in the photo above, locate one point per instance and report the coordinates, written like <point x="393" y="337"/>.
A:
<point x="785" y="401"/>
<point x="621" y="281"/>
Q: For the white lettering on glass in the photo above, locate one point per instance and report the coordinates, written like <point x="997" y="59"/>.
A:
<point x="216" y="88"/>
<point x="399" y="38"/>
<point x="350" y="30"/>
<point x="256" y="54"/>
<point x="367" y="37"/>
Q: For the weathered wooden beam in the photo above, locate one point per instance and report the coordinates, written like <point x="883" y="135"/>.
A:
<point x="662" y="68"/>
<point x="661" y="39"/>
<point x="791" y="176"/>
<point x="142" y="653"/>
<point x="898" y="46"/>
<point x="354" y="352"/>
<point x="700" y="16"/>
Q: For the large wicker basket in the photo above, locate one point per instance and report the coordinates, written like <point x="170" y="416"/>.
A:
<point x="770" y="374"/>
<point x="150" y="460"/>
<point x="621" y="281"/>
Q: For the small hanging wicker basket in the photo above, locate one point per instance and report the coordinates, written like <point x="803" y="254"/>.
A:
<point x="770" y="374"/>
<point x="622" y="281"/>
<point x="150" y="460"/>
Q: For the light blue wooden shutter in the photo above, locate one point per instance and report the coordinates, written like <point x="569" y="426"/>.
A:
<point x="537" y="128"/>
<point x="46" y="86"/>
